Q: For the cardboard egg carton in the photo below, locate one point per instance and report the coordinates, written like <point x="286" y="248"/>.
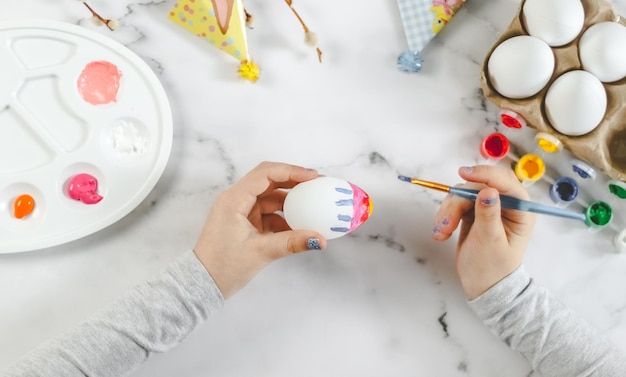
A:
<point x="604" y="147"/>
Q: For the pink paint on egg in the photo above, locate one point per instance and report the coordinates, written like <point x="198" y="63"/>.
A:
<point x="363" y="207"/>
<point x="99" y="82"/>
<point x="84" y="187"/>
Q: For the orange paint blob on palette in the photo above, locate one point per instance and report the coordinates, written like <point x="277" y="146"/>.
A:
<point x="23" y="206"/>
<point x="86" y="132"/>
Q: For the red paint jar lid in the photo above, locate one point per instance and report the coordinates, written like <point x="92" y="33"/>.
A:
<point x="511" y="119"/>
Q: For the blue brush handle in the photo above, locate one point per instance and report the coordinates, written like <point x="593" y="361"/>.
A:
<point x="510" y="202"/>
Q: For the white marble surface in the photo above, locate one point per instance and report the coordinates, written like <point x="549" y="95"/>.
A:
<point x="384" y="301"/>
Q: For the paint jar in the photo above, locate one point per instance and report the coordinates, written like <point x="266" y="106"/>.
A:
<point x="495" y="146"/>
<point x="546" y="146"/>
<point x="564" y="191"/>
<point x="620" y="241"/>
<point x="599" y="215"/>
<point x="617" y="188"/>
<point x="548" y="143"/>
<point x="529" y="169"/>
<point x="511" y="119"/>
<point x="583" y="170"/>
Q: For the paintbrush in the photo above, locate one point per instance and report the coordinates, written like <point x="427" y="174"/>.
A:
<point x="508" y="202"/>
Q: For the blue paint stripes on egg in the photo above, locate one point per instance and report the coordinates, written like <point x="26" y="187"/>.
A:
<point x="344" y="203"/>
<point x="344" y="190"/>
<point x="345" y="218"/>
<point x="340" y="229"/>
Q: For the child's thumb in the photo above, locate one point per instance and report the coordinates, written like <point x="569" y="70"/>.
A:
<point x="487" y="214"/>
<point x="281" y="244"/>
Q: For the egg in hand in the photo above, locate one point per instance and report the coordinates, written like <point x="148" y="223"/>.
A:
<point x="330" y="206"/>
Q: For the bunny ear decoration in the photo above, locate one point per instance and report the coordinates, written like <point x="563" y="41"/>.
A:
<point x="422" y="20"/>
<point x="223" y="12"/>
<point x="220" y="22"/>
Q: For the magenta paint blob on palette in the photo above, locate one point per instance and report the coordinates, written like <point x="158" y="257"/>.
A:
<point x="86" y="132"/>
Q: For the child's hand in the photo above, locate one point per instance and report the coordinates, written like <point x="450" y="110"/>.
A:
<point x="491" y="242"/>
<point x="243" y="234"/>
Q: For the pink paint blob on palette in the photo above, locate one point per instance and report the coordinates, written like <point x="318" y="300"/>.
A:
<point x="99" y="82"/>
<point x="85" y="133"/>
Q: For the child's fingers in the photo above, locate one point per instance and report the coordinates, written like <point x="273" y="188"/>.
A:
<point x="505" y="181"/>
<point x="265" y="176"/>
<point x="272" y="202"/>
<point x="450" y="214"/>
<point x="500" y="178"/>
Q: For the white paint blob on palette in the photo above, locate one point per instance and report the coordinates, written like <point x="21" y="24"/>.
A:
<point x="85" y="133"/>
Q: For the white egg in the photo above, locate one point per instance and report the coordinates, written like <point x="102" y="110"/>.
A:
<point x="331" y="206"/>
<point x="575" y="103"/>
<point x="602" y="50"/>
<point x="520" y="66"/>
<point x="557" y="22"/>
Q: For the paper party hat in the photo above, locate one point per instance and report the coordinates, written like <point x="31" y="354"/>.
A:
<point x="223" y="24"/>
<point x="220" y="22"/>
<point x="422" y="20"/>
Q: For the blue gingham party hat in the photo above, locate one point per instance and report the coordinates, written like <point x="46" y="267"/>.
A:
<point x="422" y="20"/>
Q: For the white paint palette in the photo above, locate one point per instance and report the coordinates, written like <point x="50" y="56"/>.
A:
<point x="49" y="133"/>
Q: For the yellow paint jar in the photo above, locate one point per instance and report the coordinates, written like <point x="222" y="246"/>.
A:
<point x="530" y="168"/>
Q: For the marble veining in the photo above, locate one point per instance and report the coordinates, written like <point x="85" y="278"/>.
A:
<point x="382" y="301"/>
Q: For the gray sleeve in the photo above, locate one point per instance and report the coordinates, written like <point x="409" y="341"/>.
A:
<point x="153" y="317"/>
<point x="551" y="337"/>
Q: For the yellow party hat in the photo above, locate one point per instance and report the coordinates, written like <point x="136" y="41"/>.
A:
<point x="220" y="22"/>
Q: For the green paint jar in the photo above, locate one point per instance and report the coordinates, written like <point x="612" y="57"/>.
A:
<point x="598" y="214"/>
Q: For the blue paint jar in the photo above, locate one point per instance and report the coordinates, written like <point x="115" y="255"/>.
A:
<point x="564" y="191"/>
